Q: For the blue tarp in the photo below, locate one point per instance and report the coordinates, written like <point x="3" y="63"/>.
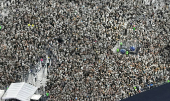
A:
<point x="161" y="93"/>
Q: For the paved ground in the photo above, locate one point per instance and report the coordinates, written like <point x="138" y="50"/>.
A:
<point x="39" y="74"/>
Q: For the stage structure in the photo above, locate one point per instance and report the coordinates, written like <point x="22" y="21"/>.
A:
<point x="20" y="91"/>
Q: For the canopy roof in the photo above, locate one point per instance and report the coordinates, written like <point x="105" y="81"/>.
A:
<point x="1" y="93"/>
<point x="21" y="91"/>
<point x="36" y="97"/>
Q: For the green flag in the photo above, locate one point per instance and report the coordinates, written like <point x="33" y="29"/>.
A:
<point x="127" y="52"/>
<point x="168" y="80"/>
<point x="117" y="50"/>
<point x="134" y="87"/>
<point x="47" y="94"/>
<point x="0" y="27"/>
<point x="121" y="43"/>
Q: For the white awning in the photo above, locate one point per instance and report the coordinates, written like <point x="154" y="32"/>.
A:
<point x="21" y="91"/>
<point x="35" y="97"/>
<point x="1" y="93"/>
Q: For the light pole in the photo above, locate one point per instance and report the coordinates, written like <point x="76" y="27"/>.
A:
<point x="22" y="69"/>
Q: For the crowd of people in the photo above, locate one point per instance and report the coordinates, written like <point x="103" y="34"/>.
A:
<point x="78" y="36"/>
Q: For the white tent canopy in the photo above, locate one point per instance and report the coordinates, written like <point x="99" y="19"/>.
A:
<point x="21" y="91"/>
<point x="36" y="97"/>
<point x="1" y="93"/>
